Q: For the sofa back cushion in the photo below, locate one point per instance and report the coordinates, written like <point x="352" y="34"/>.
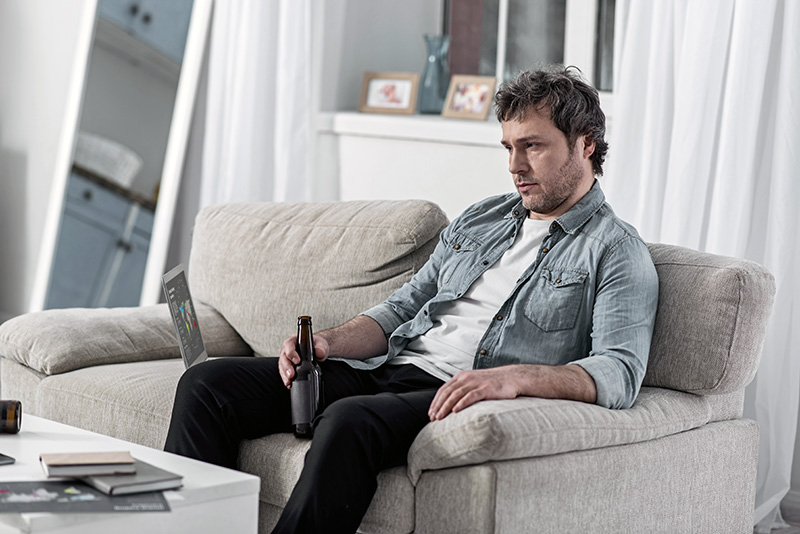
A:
<point x="711" y="321"/>
<point x="262" y="264"/>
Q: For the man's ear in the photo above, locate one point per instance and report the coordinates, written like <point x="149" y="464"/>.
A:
<point x="588" y="146"/>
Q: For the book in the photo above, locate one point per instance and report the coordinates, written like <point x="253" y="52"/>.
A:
<point x="147" y="478"/>
<point x="78" y="464"/>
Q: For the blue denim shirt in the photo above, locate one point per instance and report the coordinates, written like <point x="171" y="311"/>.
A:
<point x="589" y="298"/>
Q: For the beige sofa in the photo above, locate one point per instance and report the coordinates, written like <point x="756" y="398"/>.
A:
<point x="681" y="460"/>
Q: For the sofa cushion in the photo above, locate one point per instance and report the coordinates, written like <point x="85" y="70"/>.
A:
<point x="58" y="341"/>
<point x="711" y="322"/>
<point x="19" y="382"/>
<point x="528" y="427"/>
<point x="130" y="401"/>
<point x="701" y="481"/>
<point x="278" y="460"/>
<point x="261" y="265"/>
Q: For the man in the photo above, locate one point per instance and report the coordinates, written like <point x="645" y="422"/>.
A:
<point x="542" y="292"/>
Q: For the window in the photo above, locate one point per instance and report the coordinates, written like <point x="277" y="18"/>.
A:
<point x="520" y="34"/>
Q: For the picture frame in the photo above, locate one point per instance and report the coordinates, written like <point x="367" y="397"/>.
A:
<point x="389" y="92"/>
<point x="469" y="97"/>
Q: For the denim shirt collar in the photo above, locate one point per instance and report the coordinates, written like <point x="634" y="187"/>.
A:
<point x="577" y="215"/>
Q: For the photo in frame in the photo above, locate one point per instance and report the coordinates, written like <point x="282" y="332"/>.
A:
<point x="469" y="97"/>
<point x="389" y="92"/>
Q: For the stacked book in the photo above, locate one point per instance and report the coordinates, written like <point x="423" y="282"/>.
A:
<point x="113" y="473"/>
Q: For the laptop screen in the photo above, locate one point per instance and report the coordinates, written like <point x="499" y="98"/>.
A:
<point x="184" y="318"/>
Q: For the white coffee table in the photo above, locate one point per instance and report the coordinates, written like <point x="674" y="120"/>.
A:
<point x="213" y="499"/>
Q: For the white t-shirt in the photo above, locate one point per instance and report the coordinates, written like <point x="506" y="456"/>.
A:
<point x="458" y="327"/>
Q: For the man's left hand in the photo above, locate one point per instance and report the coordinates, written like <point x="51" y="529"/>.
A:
<point x="468" y="387"/>
<point x="510" y="381"/>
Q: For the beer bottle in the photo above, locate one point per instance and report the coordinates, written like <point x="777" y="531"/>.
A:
<point x="307" y="382"/>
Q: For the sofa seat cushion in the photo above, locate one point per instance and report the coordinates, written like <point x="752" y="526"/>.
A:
<point x="130" y="401"/>
<point x="530" y="427"/>
<point x="59" y="341"/>
<point x="278" y="460"/>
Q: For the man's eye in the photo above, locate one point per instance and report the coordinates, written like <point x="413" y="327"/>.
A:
<point x="532" y="145"/>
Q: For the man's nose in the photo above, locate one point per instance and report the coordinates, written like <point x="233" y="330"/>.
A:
<point x="517" y="162"/>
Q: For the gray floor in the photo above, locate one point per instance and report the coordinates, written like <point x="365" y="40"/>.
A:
<point x="791" y="516"/>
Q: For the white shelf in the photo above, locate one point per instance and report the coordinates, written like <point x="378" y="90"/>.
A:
<point x="424" y="128"/>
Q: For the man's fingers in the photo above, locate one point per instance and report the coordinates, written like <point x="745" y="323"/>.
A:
<point x="288" y="374"/>
<point x="446" y="398"/>
<point x="467" y="388"/>
<point x="286" y="369"/>
<point x="442" y="397"/>
<point x="437" y="401"/>
<point x="447" y="405"/>
<point x="288" y="350"/>
<point x="321" y="348"/>
<point x="287" y="359"/>
<point x="470" y="398"/>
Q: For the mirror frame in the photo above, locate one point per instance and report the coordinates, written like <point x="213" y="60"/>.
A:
<point x="173" y="160"/>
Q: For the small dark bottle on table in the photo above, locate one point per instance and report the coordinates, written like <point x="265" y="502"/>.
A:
<point x="307" y="382"/>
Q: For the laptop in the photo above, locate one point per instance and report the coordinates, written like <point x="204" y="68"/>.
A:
<point x="179" y="300"/>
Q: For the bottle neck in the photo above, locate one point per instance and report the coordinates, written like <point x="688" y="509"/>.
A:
<point x="305" y="339"/>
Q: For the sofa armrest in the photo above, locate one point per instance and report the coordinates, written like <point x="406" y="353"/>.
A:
<point x="530" y="427"/>
<point x="59" y="341"/>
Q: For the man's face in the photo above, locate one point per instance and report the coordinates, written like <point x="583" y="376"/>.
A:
<point x="550" y="175"/>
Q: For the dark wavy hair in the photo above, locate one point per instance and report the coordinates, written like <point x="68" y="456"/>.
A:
<point x="574" y="105"/>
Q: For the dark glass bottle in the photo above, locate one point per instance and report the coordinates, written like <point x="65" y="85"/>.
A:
<point x="307" y="382"/>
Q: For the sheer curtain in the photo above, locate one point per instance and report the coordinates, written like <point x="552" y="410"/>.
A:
<point x="706" y="150"/>
<point x="258" y="138"/>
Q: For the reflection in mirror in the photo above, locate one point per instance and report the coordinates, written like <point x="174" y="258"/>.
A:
<point x="120" y="146"/>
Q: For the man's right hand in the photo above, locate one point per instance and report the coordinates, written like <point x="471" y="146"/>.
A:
<point x="288" y="357"/>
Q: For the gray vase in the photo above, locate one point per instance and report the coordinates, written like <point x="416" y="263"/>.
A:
<point x="436" y="77"/>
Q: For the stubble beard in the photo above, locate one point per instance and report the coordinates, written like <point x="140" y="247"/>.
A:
<point x="567" y="179"/>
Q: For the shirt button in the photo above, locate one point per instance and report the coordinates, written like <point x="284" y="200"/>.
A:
<point x="544" y="250"/>
<point x="457" y="247"/>
<point x="558" y="281"/>
<point x="483" y="352"/>
<point x="499" y="317"/>
<point x="485" y="262"/>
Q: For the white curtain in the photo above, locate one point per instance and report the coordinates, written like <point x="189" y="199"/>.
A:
<point x="705" y="154"/>
<point x="258" y="140"/>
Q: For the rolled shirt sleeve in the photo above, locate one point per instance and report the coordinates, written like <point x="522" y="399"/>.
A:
<point x="622" y="327"/>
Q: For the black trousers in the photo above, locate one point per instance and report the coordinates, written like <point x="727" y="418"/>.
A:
<point x="368" y="422"/>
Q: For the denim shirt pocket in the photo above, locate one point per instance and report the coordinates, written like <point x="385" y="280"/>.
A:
<point x="460" y="247"/>
<point x="555" y="298"/>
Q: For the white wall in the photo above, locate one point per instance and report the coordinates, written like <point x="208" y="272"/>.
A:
<point x="37" y="48"/>
<point x="373" y="35"/>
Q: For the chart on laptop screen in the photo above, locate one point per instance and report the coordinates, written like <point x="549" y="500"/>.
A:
<point x="183" y="313"/>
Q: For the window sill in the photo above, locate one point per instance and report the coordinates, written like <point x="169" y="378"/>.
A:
<point x="424" y="128"/>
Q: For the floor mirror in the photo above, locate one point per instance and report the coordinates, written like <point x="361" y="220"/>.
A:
<point x="121" y="155"/>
